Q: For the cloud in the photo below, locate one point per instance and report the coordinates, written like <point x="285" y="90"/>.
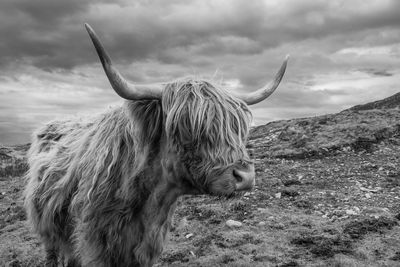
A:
<point x="51" y="34"/>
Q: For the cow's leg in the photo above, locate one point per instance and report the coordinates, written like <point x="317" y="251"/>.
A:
<point x="72" y="262"/>
<point x="51" y="257"/>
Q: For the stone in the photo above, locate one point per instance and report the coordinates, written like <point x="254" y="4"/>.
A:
<point x="377" y="212"/>
<point x="351" y="212"/>
<point x="262" y="210"/>
<point x="188" y="236"/>
<point x="233" y="223"/>
<point x="182" y="223"/>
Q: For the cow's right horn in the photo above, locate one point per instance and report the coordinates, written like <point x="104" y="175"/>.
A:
<point x="265" y="91"/>
<point x="122" y="87"/>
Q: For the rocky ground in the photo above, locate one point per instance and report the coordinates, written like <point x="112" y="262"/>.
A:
<point x="327" y="194"/>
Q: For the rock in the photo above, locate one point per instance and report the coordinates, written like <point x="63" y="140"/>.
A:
<point x="233" y="223"/>
<point x="262" y="223"/>
<point x="189" y="235"/>
<point x="377" y="212"/>
<point x="351" y="212"/>
<point x="278" y="195"/>
<point x="182" y="223"/>
<point x="262" y="210"/>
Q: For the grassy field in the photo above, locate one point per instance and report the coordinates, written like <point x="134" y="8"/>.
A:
<point x="327" y="194"/>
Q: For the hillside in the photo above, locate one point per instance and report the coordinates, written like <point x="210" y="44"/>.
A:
<point x="327" y="194"/>
<point x="326" y="135"/>
<point x="12" y="160"/>
<point x="387" y="103"/>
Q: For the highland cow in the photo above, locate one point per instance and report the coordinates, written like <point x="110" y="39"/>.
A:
<point x="102" y="192"/>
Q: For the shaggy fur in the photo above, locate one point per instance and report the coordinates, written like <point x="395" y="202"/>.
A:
<point x="102" y="193"/>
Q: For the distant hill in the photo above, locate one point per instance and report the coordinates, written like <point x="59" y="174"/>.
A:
<point x="386" y="103"/>
<point x="326" y="135"/>
<point x="13" y="152"/>
<point x="358" y="128"/>
<point x="13" y="160"/>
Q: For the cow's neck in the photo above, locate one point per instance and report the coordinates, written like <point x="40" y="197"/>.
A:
<point x="156" y="217"/>
<point x="156" y="213"/>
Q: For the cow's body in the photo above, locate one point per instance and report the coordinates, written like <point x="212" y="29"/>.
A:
<point x="102" y="192"/>
<point x="88" y="184"/>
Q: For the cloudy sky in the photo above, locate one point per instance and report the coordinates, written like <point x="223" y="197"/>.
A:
<point x="342" y="53"/>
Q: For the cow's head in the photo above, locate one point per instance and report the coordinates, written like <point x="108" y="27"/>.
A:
<point x="205" y="128"/>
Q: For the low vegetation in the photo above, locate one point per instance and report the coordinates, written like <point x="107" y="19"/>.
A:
<point x="327" y="194"/>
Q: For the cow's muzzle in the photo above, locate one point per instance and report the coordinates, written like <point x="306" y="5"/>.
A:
<point x="244" y="177"/>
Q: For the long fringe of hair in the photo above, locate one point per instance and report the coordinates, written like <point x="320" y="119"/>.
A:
<point x="203" y="116"/>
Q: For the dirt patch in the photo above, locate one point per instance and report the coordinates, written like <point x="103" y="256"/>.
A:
<point x="11" y="215"/>
<point x="358" y="229"/>
<point x="241" y="210"/>
<point x="324" y="246"/>
<point x="303" y="204"/>
<point x="178" y="256"/>
<point x="289" y="192"/>
<point x="396" y="256"/>
<point x="290" y="264"/>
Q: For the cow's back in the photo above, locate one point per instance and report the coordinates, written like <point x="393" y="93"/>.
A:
<point x="50" y="183"/>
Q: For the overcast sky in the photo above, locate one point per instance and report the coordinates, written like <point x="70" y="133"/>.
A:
<point x="342" y="53"/>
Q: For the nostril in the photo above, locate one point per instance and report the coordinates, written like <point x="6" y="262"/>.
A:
<point x="251" y="152"/>
<point x="237" y="176"/>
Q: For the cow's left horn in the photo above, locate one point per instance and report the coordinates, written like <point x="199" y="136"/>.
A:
<point x="122" y="87"/>
<point x="264" y="92"/>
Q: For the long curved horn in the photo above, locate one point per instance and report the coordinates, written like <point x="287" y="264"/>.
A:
<point x="122" y="87"/>
<point x="264" y="92"/>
